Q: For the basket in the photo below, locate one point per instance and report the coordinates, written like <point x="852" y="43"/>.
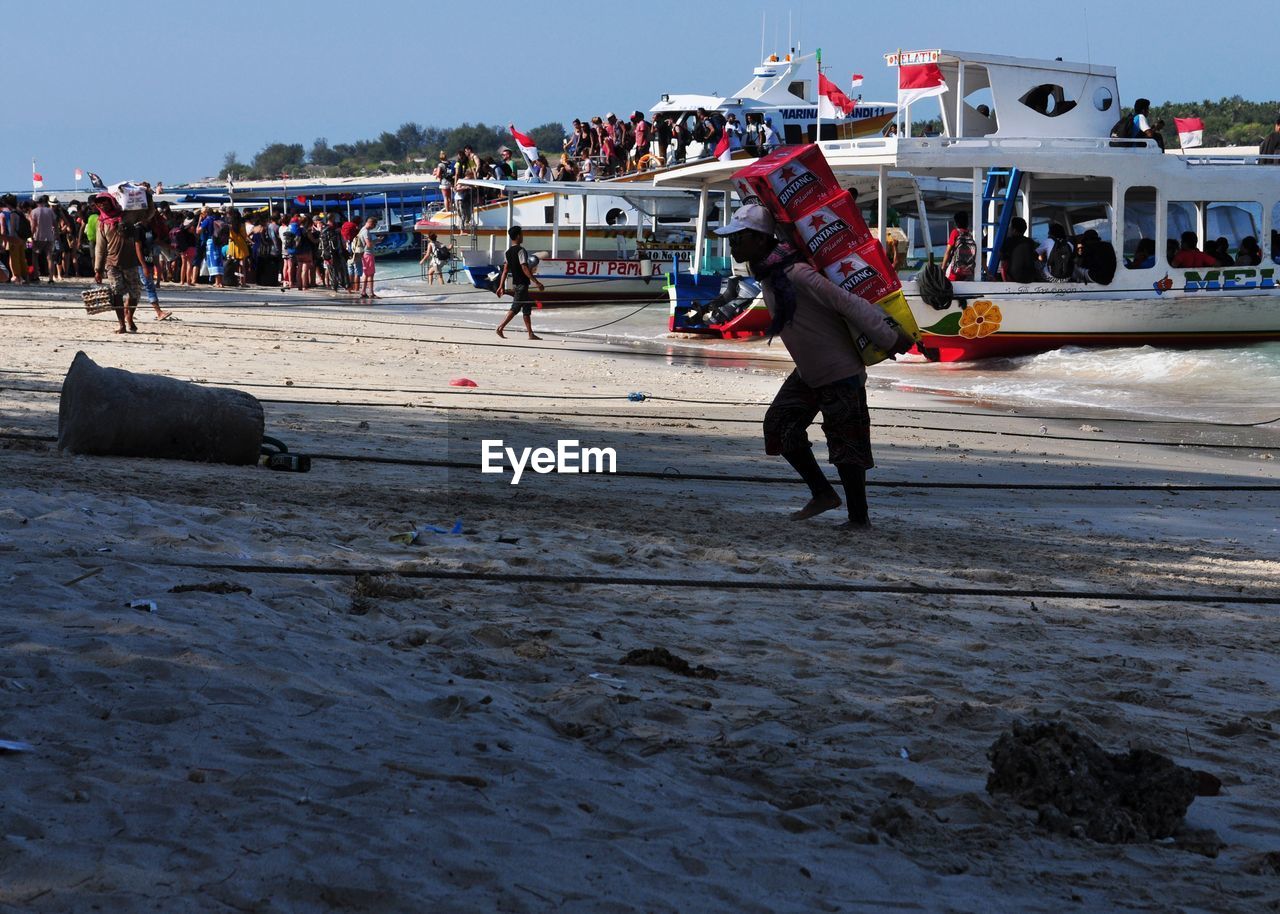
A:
<point x="98" y="298"/>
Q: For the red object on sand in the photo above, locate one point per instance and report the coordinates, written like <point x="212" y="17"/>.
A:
<point x="463" y="382"/>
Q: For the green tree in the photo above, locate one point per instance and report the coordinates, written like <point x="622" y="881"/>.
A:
<point x="322" y="154"/>
<point x="278" y="158"/>
<point x="233" y="167"/>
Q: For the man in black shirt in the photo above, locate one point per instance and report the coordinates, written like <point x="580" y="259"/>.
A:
<point x="1018" y="255"/>
<point x="1271" y="146"/>
<point x="518" y="269"/>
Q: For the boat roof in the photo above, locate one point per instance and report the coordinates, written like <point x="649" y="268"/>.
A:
<point x="629" y="190"/>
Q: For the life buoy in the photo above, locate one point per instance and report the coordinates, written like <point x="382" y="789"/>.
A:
<point x="647" y="161"/>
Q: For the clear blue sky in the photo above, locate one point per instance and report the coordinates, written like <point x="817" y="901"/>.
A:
<point x="162" y="90"/>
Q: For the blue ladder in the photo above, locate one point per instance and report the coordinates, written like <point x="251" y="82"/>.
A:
<point x="1007" y="197"/>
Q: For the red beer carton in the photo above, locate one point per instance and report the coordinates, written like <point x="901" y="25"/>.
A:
<point x="830" y="230"/>
<point x="863" y="272"/>
<point x="789" y="181"/>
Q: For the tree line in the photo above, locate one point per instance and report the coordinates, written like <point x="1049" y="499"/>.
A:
<point x="411" y="148"/>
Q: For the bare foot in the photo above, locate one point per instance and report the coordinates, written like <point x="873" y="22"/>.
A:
<point x="163" y="315"/>
<point x="534" y="336"/>
<point x="817" y="505"/>
<point x="500" y="333"/>
<point x="852" y="524"/>
<point x="120" y="329"/>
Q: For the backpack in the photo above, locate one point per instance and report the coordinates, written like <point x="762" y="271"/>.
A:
<point x="291" y="241"/>
<point x="1124" y="128"/>
<point x="357" y="245"/>
<point x="443" y="254"/>
<point x="964" y="257"/>
<point x="1062" y="259"/>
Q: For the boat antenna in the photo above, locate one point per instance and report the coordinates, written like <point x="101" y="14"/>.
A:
<point x="1088" y="53"/>
<point x="790" y="44"/>
<point x="762" y="25"/>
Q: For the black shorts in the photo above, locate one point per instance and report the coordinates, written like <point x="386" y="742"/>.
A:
<point x="521" y="301"/>
<point x="845" y="420"/>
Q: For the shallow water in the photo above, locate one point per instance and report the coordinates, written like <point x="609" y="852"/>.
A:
<point x="1236" y="384"/>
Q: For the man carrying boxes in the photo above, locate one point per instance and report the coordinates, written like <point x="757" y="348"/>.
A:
<point x="817" y="294"/>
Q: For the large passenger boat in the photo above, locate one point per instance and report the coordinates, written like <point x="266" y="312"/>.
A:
<point x="1033" y="138"/>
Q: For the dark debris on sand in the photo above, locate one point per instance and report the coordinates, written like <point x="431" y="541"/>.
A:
<point x="1080" y="789"/>
<point x="660" y="656"/>
<point x="221" y="587"/>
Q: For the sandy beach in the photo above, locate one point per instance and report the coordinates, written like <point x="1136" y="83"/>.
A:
<point x="456" y="732"/>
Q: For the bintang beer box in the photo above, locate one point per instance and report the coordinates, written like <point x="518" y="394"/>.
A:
<point x="797" y="186"/>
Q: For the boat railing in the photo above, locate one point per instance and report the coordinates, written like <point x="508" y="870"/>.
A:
<point x="896" y="145"/>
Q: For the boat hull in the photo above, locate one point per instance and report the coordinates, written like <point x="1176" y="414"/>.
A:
<point x="590" y="282"/>
<point x="1185" y="309"/>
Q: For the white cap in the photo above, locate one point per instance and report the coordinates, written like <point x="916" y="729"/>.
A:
<point x="752" y="216"/>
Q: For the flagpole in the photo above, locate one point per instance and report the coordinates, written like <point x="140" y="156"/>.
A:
<point x="818" y="134"/>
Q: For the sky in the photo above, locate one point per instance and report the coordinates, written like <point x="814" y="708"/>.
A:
<point x="161" y="91"/>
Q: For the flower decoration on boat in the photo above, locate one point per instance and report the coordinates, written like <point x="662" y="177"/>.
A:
<point x="980" y="319"/>
<point x="1162" y="285"/>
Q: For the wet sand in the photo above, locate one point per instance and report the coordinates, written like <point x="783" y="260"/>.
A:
<point x="315" y="741"/>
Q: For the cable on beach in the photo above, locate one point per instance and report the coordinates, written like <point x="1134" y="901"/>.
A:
<point x="667" y="581"/>
<point x="681" y="476"/>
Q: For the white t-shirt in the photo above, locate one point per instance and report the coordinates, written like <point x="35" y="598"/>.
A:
<point x="1140" y="124"/>
<point x="366" y="240"/>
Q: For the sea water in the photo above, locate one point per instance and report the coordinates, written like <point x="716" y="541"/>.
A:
<point x="1231" y="384"/>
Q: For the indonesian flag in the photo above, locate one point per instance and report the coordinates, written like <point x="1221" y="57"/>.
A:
<point x="832" y="103"/>
<point x="37" y="179"/>
<point x="79" y="175"/>
<point x="528" y="148"/>
<point x="1190" y="131"/>
<point x="856" y="81"/>
<point x="919" y="81"/>
<point x="722" y="147"/>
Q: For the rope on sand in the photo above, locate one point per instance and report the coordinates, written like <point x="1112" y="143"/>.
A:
<point x="666" y="582"/>
<point x="677" y="476"/>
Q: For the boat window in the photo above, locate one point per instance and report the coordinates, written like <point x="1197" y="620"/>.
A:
<point x="615" y="216"/>
<point x="1139" y="219"/>
<point x="1227" y="225"/>
<point x="1102" y="98"/>
<point x="1048" y="99"/>
<point x="1275" y="233"/>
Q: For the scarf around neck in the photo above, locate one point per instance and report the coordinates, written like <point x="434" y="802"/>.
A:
<point x="773" y="270"/>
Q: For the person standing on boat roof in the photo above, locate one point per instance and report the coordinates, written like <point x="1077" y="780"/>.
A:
<point x="519" y="270"/>
<point x="1271" y="146"/>
<point x="817" y="321"/>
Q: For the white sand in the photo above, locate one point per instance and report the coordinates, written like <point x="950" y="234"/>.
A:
<point x="445" y="746"/>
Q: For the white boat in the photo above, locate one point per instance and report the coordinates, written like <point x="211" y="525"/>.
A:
<point x="1043" y="150"/>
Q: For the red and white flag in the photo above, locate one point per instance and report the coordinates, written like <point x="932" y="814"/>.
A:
<point x="722" y="148"/>
<point x="1190" y="131"/>
<point x="918" y="81"/>
<point x="79" y="175"/>
<point x="856" y="82"/>
<point x="832" y="103"/>
<point x="528" y="148"/>
<point x="37" y="179"/>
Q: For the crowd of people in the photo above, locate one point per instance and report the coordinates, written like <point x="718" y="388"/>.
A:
<point x="604" y="147"/>
<point x="46" y="241"/>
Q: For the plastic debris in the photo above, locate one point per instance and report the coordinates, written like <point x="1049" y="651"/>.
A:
<point x="462" y="382"/>
<point x="407" y="539"/>
<point x="608" y="680"/>
<point x="14" y="745"/>
<point x="636" y="396"/>
<point x="144" y="605"/>
<point x="455" y="530"/>
<point x="904" y="754"/>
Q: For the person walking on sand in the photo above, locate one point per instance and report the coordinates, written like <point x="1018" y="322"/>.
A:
<point x="817" y="321"/>
<point x="118" y="251"/>
<point x="517" y="268"/>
